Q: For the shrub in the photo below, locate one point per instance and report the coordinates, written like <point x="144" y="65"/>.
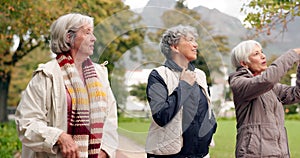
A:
<point x="292" y="117"/>
<point x="9" y="141"/>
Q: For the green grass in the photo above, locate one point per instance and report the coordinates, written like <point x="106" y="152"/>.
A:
<point x="224" y="136"/>
<point x="224" y="140"/>
<point x="293" y="128"/>
<point x="135" y="130"/>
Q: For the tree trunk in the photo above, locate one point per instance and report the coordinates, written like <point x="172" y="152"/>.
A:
<point x="4" y="85"/>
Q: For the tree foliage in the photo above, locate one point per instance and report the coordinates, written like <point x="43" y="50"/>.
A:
<point x="23" y="28"/>
<point x="139" y="91"/>
<point x="22" y="73"/>
<point x="29" y="22"/>
<point x="265" y="15"/>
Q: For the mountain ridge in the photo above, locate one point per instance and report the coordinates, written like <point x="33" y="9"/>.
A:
<point x="232" y="27"/>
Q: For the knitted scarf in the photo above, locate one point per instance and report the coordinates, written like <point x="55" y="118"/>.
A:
<point x="88" y="105"/>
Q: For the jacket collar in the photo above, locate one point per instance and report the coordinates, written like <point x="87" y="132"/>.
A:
<point x="175" y="67"/>
<point x="241" y="71"/>
<point x="244" y="70"/>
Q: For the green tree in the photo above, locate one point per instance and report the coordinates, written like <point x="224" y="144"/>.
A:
<point x="139" y="91"/>
<point x="265" y="15"/>
<point x="25" y="26"/>
<point x="22" y="73"/>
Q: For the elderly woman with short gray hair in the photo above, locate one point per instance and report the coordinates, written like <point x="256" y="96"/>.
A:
<point x="259" y="98"/>
<point x="68" y="109"/>
<point x="183" y="122"/>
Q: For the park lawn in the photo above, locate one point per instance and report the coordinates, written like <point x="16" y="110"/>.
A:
<point x="224" y="140"/>
<point x="293" y="128"/>
<point x="137" y="131"/>
<point x="224" y="136"/>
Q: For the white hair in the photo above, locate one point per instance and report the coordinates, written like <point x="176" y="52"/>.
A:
<point x="66" y="24"/>
<point x="242" y="51"/>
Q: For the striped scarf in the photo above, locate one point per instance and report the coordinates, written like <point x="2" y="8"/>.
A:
<point x="88" y="105"/>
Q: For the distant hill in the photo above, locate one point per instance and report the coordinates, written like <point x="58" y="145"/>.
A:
<point x="221" y="23"/>
<point x="154" y="10"/>
<point x="233" y="28"/>
<point x="224" y="24"/>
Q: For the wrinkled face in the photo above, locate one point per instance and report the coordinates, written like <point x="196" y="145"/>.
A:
<point x="258" y="62"/>
<point x="188" y="46"/>
<point x="84" y="40"/>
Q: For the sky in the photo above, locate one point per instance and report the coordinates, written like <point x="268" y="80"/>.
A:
<point x="230" y="7"/>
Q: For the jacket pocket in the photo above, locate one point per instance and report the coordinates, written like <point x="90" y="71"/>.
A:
<point x="269" y="141"/>
<point x="248" y="142"/>
<point x="253" y="144"/>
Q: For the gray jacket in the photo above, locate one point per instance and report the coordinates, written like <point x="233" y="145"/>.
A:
<point x="259" y="108"/>
<point x="41" y="115"/>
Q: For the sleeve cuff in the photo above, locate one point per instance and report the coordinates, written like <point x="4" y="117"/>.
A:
<point x="49" y="145"/>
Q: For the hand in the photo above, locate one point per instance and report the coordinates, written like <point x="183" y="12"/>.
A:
<point x="297" y="50"/>
<point x="103" y="154"/>
<point x="68" y="146"/>
<point x="188" y="76"/>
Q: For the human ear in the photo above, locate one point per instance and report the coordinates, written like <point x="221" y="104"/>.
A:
<point x="68" y="38"/>
<point x="244" y="64"/>
<point x="174" y="48"/>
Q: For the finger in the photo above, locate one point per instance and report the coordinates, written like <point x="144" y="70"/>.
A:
<point x="77" y="154"/>
<point x="71" y="154"/>
<point x="74" y="154"/>
<point x="64" y="152"/>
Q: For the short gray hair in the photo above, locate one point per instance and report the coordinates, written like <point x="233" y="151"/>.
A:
<point x="242" y="51"/>
<point x="69" y="23"/>
<point x="172" y="36"/>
